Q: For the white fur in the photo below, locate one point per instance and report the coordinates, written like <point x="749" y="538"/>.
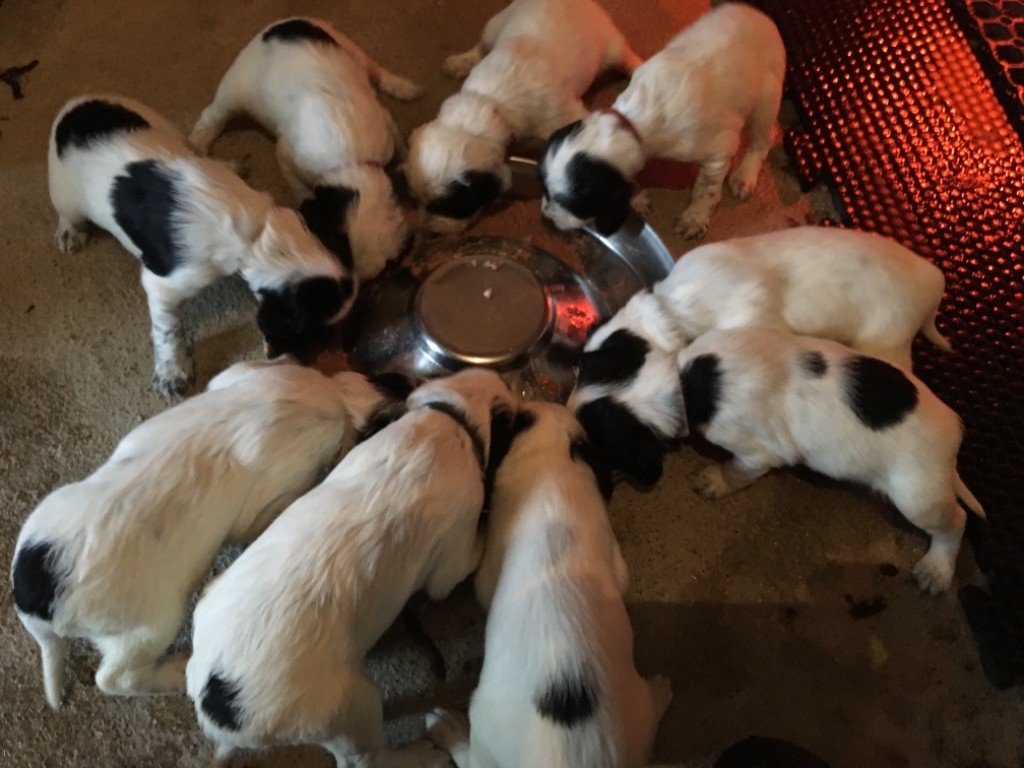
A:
<point x="134" y="538"/>
<point x="771" y="412"/>
<point x="228" y="227"/>
<point x="691" y="102"/>
<point x="553" y="577"/>
<point x="290" y="622"/>
<point x="319" y="100"/>
<point x="525" y="77"/>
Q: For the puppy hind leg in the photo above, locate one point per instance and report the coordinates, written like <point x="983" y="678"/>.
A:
<point x="209" y="126"/>
<point x="760" y="128"/>
<point x="172" y="365"/>
<point x="718" y="480"/>
<point x="132" y="666"/>
<point x="450" y="731"/>
<point x="707" y="192"/>
<point x="945" y="525"/>
<point x="71" y="235"/>
<point x="455" y="564"/>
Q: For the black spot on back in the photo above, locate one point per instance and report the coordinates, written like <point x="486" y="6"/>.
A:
<point x="465" y="196"/>
<point x="145" y="203"/>
<point x="813" y="362"/>
<point x="220" y="703"/>
<point x="506" y="426"/>
<point x="618" y="360"/>
<point x="383" y="414"/>
<point x="626" y="443"/>
<point x="598" y="191"/>
<point x="94" y="120"/>
<point x="393" y="385"/>
<point x="701" y="381"/>
<point x="298" y="31"/>
<point x="324" y="214"/>
<point x="880" y="395"/>
<point x="568" y="700"/>
<point x="757" y="752"/>
<point x="583" y="450"/>
<point x="36" y="580"/>
<point x="294" y="319"/>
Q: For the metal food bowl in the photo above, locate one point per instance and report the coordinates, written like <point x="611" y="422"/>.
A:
<point x="502" y="302"/>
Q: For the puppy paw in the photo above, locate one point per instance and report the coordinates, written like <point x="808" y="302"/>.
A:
<point x="171" y="673"/>
<point x="742" y="185"/>
<point x="423" y="754"/>
<point x="461" y="64"/>
<point x="447" y="729"/>
<point x="691" y="226"/>
<point x="71" y="238"/>
<point x="661" y="692"/>
<point x="641" y="203"/>
<point x="709" y="482"/>
<point x="172" y="382"/>
<point x="934" y="572"/>
<point x="400" y="88"/>
<point x="202" y="138"/>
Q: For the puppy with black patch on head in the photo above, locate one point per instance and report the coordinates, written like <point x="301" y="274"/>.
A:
<point x="524" y="79"/>
<point x="115" y="558"/>
<point x="280" y="638"/>
<point x="558" y="686"/>
<point x="691" y="102"/>
<point x="189" y="220"/>
<point x="313" y="88"/>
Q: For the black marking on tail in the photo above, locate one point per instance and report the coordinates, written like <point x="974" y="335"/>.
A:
<point x="220" y="703"/>
<point x="36" y="580"/>
<point x="702" y="389"/>
<point x="880" y="395"/>
<point x="299" y="31"/>
<point x="569" y="699"/>
<point x="94" y="120"/>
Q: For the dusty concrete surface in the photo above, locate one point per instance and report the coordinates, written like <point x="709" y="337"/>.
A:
<point x="745" y="602"/>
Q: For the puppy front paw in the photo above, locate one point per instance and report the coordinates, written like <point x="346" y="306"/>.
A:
<point x="171" y="382"/>
<point x="460" y="65"/>
<point x="71" y="238"/>
<point x="709" y="482"/>
<point x="692" y="226"/>
<point x="401" y="88"/>
<point x="742" y="184"/>
<point x="641" y="203"/>
<point x="934" y="572"/>
<point x="447" y="729"/>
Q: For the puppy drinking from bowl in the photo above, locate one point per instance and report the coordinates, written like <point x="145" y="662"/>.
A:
<point x="524" y="79"/>
<point x="115" y="558"/>
<point x="189" y="220"/>
<point x="558" y="686"/>
<point x="691" y="102"/>
<point x="775" y="399"/>
<point x="280" y="638"/>
<point x="313" y="88"/>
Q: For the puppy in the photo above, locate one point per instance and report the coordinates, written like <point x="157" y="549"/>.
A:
<point x="188" y="220"/>
<point x="558" y="685"/>
<point x="534" y="61"/>
<point x="115" y="558"/>
<point x="280" y="638"/>
<point x="313" y="88"/>
<point x="857" y="288"/>
<point x="774" y="399"/>
<point x="691" y="102"/>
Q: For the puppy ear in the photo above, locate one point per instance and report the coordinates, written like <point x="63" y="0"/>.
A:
<point x="324" y="214"/>
<point x="464" y="196"/>
<point x="322" y="297"/>
<point x="505" y="427"/>
<point x="613" y="208"/>
<point x="599" y="192"/>
<point x="626" y="443"/>
<point x="384" y="414"/>
<point x="583" y="450"/>
<point x="393" y="385"/>
<point x="618" y="360"/>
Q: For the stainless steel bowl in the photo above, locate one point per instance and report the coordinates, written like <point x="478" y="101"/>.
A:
<point x="502" y="302"/>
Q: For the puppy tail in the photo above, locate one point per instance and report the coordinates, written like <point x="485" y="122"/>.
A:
<point x="930" y="332"/>
<point x="55" y="651"/>
<point x="968" y="498"/>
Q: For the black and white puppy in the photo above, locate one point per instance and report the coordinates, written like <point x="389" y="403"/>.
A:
<point x="115" y="558"/>
<point x="313" y="88"/>
<point x="691" y="102"/>
<point x="119" y="165"/>
<point x="524" y="79"/>
<point x="280" y="637"/>
<point x="558" y="686"/>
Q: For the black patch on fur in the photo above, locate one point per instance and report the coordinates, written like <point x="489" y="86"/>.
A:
<point x="569" y="700"/>
<point x="470" y="429"/>
<point x="701" y="381"/>
<point x="618" y="360"/>
<point x="596" y="191"/>
<point x="145" y="202"/>
<point x="583" y="450"/>
<point x="94" y="120"/>
<point x="385" y="413"/>
<point x="625" y="442"/>
<point x="555" y="140"/>
<point x="393" y="385"/>
<point x="220" y="703"/>
<point x="757" y="752"/>
<point x="298" y="31"/>
<point x="506" y="426"/>
<point x="814" y="364"/>
<point x="325" y="213"/>
<point x="294" y="319"/>
<point x="880" y="395"/>
<point x="465" y="196"/>
<point x="36" y="580"/>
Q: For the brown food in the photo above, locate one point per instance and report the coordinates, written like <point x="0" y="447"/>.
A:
<point x="522" y="220"/>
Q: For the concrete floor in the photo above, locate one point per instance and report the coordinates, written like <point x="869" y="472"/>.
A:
<point x="745" y="603"/>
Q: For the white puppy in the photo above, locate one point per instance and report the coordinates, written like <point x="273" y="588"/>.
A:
<point x="188" y="220"/>
<point x="313" y="88"/>
<point x="558" y="687"/>
<point x="115" y="558"/>
<point x="534" y="61"/>
<point x="280" y="637"/>
<point x="691" y="102"/>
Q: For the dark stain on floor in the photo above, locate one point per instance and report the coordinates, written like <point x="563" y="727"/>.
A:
<point x="11" y="77"/>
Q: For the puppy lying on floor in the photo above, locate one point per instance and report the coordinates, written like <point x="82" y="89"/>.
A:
<point x="534" y="61"/>
<point x="188" y="220"/>
<point x="774" y="399"/>
<point x="692" y="102"/>
<point x="558" y="687"/>
<point x="313" y="88"/>
<point x="857" y="288"/>
<point x="280" y="637"/>
<point x="115" y="558"/>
